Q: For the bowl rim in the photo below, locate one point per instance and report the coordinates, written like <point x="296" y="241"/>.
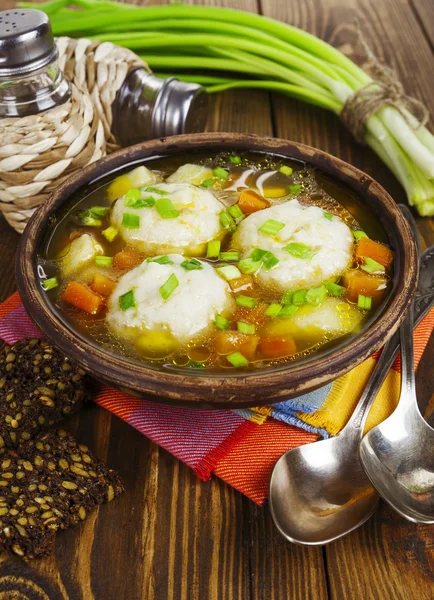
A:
<point x="241" y="389"/>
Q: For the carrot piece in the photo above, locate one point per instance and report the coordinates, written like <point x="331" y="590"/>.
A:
<point x="227" y="342"/>
<point x="103" y="285"/>
<point x="378" y="252"/>
<point x="127" y="259"/>
<point x="82" y="297"/>
<point x="251" y="202"/>
<point x="277" y="347"/>
<point x="357" y="282"/>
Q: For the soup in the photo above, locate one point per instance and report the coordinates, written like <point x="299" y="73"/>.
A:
<point x="234" y="261"/>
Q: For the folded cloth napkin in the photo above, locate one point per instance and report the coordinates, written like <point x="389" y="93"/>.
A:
<point x="240" y="446"/>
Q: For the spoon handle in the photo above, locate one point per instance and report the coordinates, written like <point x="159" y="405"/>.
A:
<point x="408" y="385"/>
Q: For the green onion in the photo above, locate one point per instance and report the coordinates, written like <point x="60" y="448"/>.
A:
<point x="286" y="170"/>
<point x="213" y="249"/>
<point x="334" y="289"/>
<point x="194" y="364"/>
<point x="154" y="190"/>
<point x="229" y="272"/>
<point x="131" y="221"/>
<point x="235" y="160"/>
<point x="192" y="264"/>
<point x="161" y="260"/>
<point x="127" y="301"/>
<point x="236" y="212"/>
<point x="88" y="219"/>
<point x="364" y="302"/>
<point x="237" y="359"/>
<point x="258" y="254"/>
<point x="247" y="265"/>
<point x="50" y="284"/>
<point x="227" y="221"/>
<point x="273" y="310"/>
<point x="359" y="234"/>
<point x="220" y="173"/>
<point x="246" y="301"/>
<point x="143" y="203"/>
<point x="316" y="295"/>
<point x="100" y="211"/>
<point x="103" y="261"/>
<point x="328" y="215"/>
<point x="372" y="266"/>
<point x="110" y="233"/>
<point x="299" y="297"/>
<point x="269" y="260"/>
<point x="207" y="183"/>
<point x="232" y="255"/>
<point x="299" y="250"/>
<point x="131" y="196"/>
<point x="288" y="311"/>
<point x="220" y="322"/>
<point x="165" y="208"/>
<point x="247" y="328"/>
<point x="295" y="189"/>
<point x="287" y="297"/>
<point x="271" y="227"/>
<point x="167" y="289"/>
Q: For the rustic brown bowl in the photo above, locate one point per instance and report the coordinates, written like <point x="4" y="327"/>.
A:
<point x="237" y="389"/>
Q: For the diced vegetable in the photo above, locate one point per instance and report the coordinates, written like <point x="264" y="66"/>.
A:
<point x="230" y="256"/>
<point x="143" y="203"/>
<point x="227" y="342"/>
<point x="82" y="297"/>
<point x="316" y="295"/>
<point x="126" y="260"/>
<point x="81" y="252"/>
<point x="271" y="227"/>
<point x="251" y="202"/>
<point x="273" y="310"/>
<point x="299" y="297"/>
<point x="334" y="289"/>
<point x="277" y="347"/>
<point x="227" y="221"/>
<point x="130" y="221"/>
<point x="364" y="302"/>
<point x="243" y="283"/>
<point x="300" y="250"/>
<point x="237" y="359"/>
<point x="220" y="173"/>
<point x="139" y="176"/>
<point x="269" y="260"/>
<point x="50" y="284"/>
<point x="258" y="254"/>
<point x="246" y="301"/>
<point x="207" y="183"/>
<point x="103" y="285"/>
<point x="287" y="297"/>
<point x="161" y="260"/>
<point x="213" y="249"/>
<point x="155" y="190"/>
<point x="295" y="189"/>
<point x="167" y="289"/>
<point x="367" y="248"/>
<point x="288" y="311"/>
<point x="131" y="196"/>
<point x="235" y="160"/>
<point x="357" y="282"/>
<point x="236" y="212"/>
<point x="328" y="215"/>
<point x="156" y="344"/>
<point x="286" y="170"/>
<point x="100" y="211"/>
<point x="247" y="265"/>
<point x="191" y="173"/>
<point x="359" y="234"/>
<point x="229" y="272"/>
<point x="127" y="300"/>
<point x="221" y="322"/>
<point x="89" y="219"/>
<point x="192" y="264"/>
<point x="372" y="266"/>
<point x="103" y="261"/>
<point x="165" y="208"/>
<point x="247" y="328"/>
<point x="110" y="233"/>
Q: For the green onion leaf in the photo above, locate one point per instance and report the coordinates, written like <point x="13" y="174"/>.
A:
<point x="103" y="261"/>
<point x="247" y="265"/>
<point x="236" y="212"/>
<point x="295" y="189"/>
<point x="88" y="219"/>
<point x="237" y="359"/>
<point x="220" y="173"/>
<point x="50" y="284"/>
<point x="127" y="301"/>
<point x="110" y="233"/>
<point x="273" y="310"/>
<point x="235" y="160"/>
<point x="246" y="301"/>
<point x="299" y="250"/>
<point x="227" y="221"/>
<point x="287" y="297"/>
<point x="299" y="297"/>
<point x="165" y="208"/>
<point x="131" y="196"/>
<point x="207" y="183"/>
<point x="334" y="289"/>
<point x="229" y="272"/>
<point x="131" y="221"/>
<point x="288" y="311"/>
<point x="169" y="287"/>
<point x="143" y="203"/>
<point x="154" y="190"/>
<point x="100" y="211"/>
<point x="364" y="302"/>
<point x="372" y="266"/>
<point x="247" y="328"/>
<point x="258" y="254"/>
<point x="192" y="264"/>
<point x="161" y="260"/>
<point x="269" y="260"/>
<point x="286" y="170"/>
<point x="271" y="227"/>
<point x="328" y="215"/>
<point x="220" y="322"/>
<point x="213" y="249"/>
<point x="230" y="256"/>
<point x="359" y="234"/>
<point x="316" y="295"/>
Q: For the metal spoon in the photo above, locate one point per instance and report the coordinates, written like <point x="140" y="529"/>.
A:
<point x="398" y="454"/>
<point x="320" y="492"/>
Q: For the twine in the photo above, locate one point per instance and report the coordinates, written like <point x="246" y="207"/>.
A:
<point x="385" y="89"/>
<point x="39" y="152"/>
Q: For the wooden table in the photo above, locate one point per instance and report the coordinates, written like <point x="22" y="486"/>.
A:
<point x="172" y="537"/>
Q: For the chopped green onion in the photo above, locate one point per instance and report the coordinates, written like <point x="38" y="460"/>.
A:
<point x="213" y="249"/>
<point x="246" y="301"/>
<point x="258" y="254"/>
<point x="295" y="189"/>
<point x="287" y="297"/>
<point x="286" y="170"/>
<point x="169" y="287"/>
<point x="334" y="289"/>
<point x="288" y="311"/>
<point x="233" y="255"/>
<point x="154" y="190"/>
<point x="100" y="211"/>
<point x="192" y="264"/>
<point x="89" y="219"/>
<point x="143" y="203"/>
<point x="131" y="196"/>
<point x="364" y="302"/>
<point x="227" y="221"/>
<point x="269" y="260"/>
<point x="220" y="173"/>
<point x="359" y="234"/>
<point x="165" y="208"/>
<point x="273" y="310"/>
<point x="299" y="297"/>
<point x="131" y="221"/>
<point x="236" y="212"/>
<point x="247" y="328"/>
<point x="127" y="301"/>
<point x="220" y="322"/>
<point x="237" y="359"/>
<point x="50" y="284"/>
<point x="103" y="261"/>
<point x="193" y="364"/>
<point x="161" y="260"/>
<point x="229" y="272"/>
<point x="110" y="233"/>
<point x="299" y="250"/>
<point x="328" y="215"/>
<point x="235" y="160"/>
<point x="247" y="265"/>
<point x="271" y="227"/>
<point x="372" y="266"/>
<point x="207" y="183"/>
<point x="316" y="295"/>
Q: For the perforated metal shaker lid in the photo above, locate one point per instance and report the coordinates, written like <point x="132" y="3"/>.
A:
<point x="26" y="41"/>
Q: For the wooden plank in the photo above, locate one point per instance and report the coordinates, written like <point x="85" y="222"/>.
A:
<point x="424" y="9"/>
